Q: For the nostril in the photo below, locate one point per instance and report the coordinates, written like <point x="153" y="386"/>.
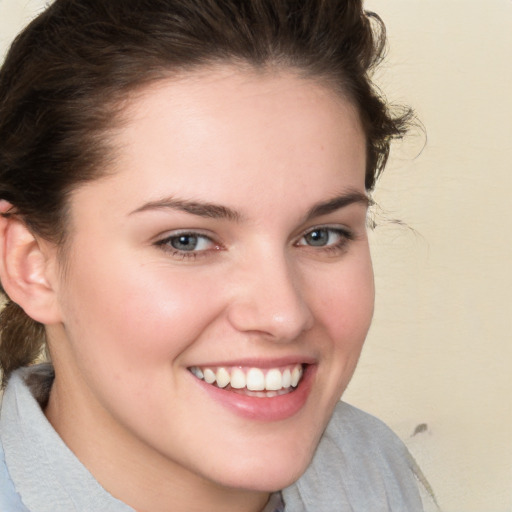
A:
<point x="282" y="323"/>
<point x="268" y="299"/>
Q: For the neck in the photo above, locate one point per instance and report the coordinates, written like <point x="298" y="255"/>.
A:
<point x="141" y="478"/>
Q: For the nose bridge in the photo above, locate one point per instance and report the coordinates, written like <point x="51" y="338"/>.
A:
<point x="270" y="298"/>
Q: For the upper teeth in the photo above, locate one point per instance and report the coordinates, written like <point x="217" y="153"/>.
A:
<point x="254" y="379"/>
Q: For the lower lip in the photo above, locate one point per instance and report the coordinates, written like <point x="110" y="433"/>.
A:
<point x="264" y="408"/>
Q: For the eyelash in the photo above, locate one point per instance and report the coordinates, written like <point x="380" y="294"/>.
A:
<point x="166" y="242"/>
<point x="345" y="236"/>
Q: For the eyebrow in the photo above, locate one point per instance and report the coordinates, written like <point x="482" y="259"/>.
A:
<point x="338" y="202"/>
<point x="216" y="211"/>
<point x="208" y="210"/>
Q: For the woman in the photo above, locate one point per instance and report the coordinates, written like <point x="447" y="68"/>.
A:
<point x="184" y="188"/>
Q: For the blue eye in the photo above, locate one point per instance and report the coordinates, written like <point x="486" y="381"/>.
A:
<point x="324" y="237"/>
<point x="187" y="243"/>
<point x="318" y="237"/>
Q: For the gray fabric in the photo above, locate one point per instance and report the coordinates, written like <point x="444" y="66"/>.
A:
<point x="360" y="465"/>
<point x="46" y="474"/>
<point x="10" y="500"/>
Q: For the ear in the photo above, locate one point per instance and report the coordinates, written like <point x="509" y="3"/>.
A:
<point x="27" y="268"/>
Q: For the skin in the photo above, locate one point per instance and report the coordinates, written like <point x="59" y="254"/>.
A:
<point x="134" y="314"/>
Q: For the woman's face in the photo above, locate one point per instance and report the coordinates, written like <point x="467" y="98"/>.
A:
<point x="228" y="243"/>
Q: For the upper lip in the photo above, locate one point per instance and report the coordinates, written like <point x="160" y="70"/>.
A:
<point x="259" y="362"/>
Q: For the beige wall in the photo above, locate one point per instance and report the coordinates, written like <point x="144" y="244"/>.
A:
<point x="13" y="15"/>
<point x="440" y="349"/>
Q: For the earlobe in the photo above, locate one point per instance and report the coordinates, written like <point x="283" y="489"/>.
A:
<point x="26" y="268"/>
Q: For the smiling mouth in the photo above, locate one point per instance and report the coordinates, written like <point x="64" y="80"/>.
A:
<point x="258" y="382"/>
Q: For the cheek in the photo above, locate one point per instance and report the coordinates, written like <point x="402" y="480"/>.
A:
<point x="142" y="317"/>
<point x="345" y="312"/>
<point x="346" y="306"/>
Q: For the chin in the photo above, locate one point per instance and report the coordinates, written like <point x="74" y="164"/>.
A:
<point x="268" y="472"/>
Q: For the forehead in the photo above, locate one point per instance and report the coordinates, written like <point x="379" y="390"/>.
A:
<point x="211" y="132"/>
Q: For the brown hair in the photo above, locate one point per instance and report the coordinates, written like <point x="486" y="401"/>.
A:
<point x="67" y="72"/>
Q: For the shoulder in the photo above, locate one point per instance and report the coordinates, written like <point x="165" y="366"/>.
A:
<point x="359" y="465"/>
<point x="9" y="498"/>
<point x="360" y="431"/>
<point x="384" y="449"/>
<point x="368" y="447"/>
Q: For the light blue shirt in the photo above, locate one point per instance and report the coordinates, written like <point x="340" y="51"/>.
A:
<point x="10" y="500"/>
<point x="359" y="466"/>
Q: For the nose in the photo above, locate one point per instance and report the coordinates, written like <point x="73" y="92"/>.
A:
<point x="269" y="299"/>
